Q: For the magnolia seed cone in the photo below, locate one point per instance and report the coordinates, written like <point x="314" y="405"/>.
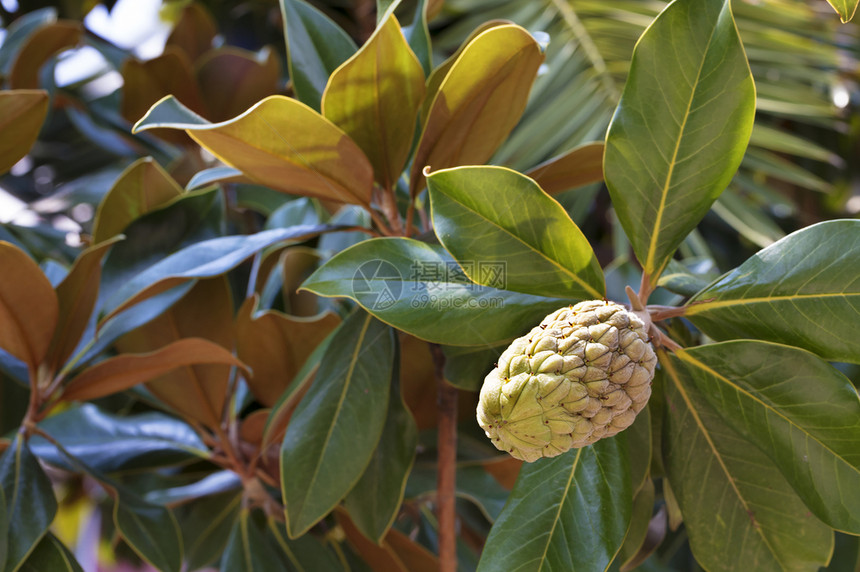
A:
<point x="582" y="374"/>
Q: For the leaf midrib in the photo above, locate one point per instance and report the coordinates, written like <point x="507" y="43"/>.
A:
<point x="554" y="263"/>
<point x="697" y="308"/>
<point x="652" y="246"/>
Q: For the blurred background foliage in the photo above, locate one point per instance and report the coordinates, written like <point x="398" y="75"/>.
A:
<point x="104" y="64"/>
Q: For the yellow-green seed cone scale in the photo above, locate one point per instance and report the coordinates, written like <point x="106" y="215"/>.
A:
<point x="582" y="374"/>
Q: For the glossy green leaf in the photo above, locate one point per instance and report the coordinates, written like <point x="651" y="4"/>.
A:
<point x="28" y="307"/>
<point x="739" y="510"/>
<point x="643" y="507"/>
<point x="418" y="288"/>
<point x="51" y="554"/>
<point x="566" y="513"/>
<point x="112" y="443"/>
<point x="206" y="525"/>
<point x="580" y="166"/>
<point x="478" y="103"/>
<point x="845" y="8"/>
<point x="77" y="295"/>
<point x="141" y="188"/>
<point x="151" y="530"/>
<point x="280" y="143"/>
<point x="681" y="127"/>
<point x="127" y="370"/>
<point x="248" y="548"/>
<point x="21" y="115"/>
<point x="316" y="46"/>
<point x="417" y="35"/>
<point x="466" y="366"/>
<point x="305" y="554"/>
<point x="493" y="217"/>
<point x="374" y="501"/>
<point x="213" y="175"/>
<point x="803" y="291"/>
<point x="337" y="426"/>
<point x="797" y="408"/>
<point x="374" y="98"/>
<point x="204" y="259"/>
<point x="30" y="502"/>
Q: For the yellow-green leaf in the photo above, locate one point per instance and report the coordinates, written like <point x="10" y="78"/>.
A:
<point x="21" y="115"/>
<point x="374" y="97"/>
<point x="125" y="371"/>
<point x="142" y="187"/>
<point x="845" y="8"/>
<point x="479" y="102"/>
<point x="280" y="143"/>
<point x="28" y="307"/>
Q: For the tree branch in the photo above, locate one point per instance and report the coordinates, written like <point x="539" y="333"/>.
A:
<point x="446" y="512"/>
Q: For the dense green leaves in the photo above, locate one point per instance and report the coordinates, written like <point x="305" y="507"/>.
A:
<point x="566" y="513"/>
<point x="374" y="501"/>
<point x="803" y="290"/>
<point x="51" y="554"/>
<point x="420" y="289"/>
<point x="797" y="408"/>
<point x="681" y="127"/>
<point x="495" y="217"/>
<point x="316" y="46"/>
<point x="336" y="427"/>
<point x="30" y="502"/>
<point x="740" y="511"/>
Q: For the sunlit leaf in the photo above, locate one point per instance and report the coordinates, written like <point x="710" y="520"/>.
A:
<point x="28" y="307"/>
<point x="566" y="513"/>
<point x="141" y="188"/>
<point x="21" y="115"/>
<point x="125" y="371"/>
<point x="418" y="288"/>
<point x="738" y="509"/>
<point x="374" y="97"/>
<point x="479" y="101"/>
<point x="681" y="127"/>
<point x="507" y="233"/>
<point x="803" y="291"/>
<point x="280" y="143"/>
<point x="316" y="46"/>
<point x="779" y="397"/>
<point x="845" y="8"/>
<point x="337" y="425"/>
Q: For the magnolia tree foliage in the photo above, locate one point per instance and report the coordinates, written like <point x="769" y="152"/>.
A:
<point x="240" y="365"/>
